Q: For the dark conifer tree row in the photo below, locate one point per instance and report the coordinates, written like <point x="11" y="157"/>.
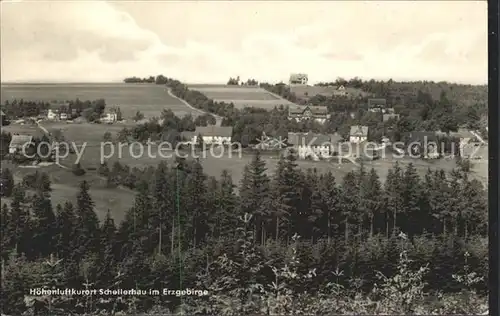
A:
<point x="183" y="219"/>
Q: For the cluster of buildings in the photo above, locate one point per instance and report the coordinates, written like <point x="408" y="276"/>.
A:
<point x="111" y="115"/>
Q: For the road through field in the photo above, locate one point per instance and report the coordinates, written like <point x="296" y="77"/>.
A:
<point x="218" y="119"/>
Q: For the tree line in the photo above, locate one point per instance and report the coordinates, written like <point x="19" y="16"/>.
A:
<point x="91" y="110"/>
<point x="183" y="222"/>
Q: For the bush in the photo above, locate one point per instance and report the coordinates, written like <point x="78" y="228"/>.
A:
<point x="78" y="170"/>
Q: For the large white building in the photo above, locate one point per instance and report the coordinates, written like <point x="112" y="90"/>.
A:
<point x="314" y="146"/>
<point x="303" y="113"/>
<point x="214" y="134"/>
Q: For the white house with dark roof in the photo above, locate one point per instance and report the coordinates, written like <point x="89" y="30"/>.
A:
<point x="298" y="79"/>
<point x="214" y="134"/>
<point x="358" y="134"/>
<point x="376" y="105"/>
<point x="315" y="146"/>
<point x="18" y="142"/>
<point x="308" y="112"/>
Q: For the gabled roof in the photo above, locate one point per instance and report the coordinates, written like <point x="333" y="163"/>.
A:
<point x="359" y="130"/>
<point x="2" y="113"/>
<point x="20" y="140"/>
<point x="294" y="77"/>
<point x="212" y="130"/>
<point x="315" y="110"/>
<point x="309" y="139"/>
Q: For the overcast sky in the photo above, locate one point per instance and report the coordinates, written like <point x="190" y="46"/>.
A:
<point x="204" y="41"/>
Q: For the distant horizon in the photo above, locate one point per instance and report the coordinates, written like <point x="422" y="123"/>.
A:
<point x="206" y="41"/>
<point x="67" y="82"/>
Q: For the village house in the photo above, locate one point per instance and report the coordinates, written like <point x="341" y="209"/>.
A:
<point x="358" y="134"/>
<point x="340" y="91"/>
<point x="376" y="105"/>
<point x="314" y="146"/>
<point x="308" y="112"/>
<point x="110" y="117"/>
<point x="298" y="79"/>
<point x="52" y="114"/>
<point x="18" y="142"/>
<point x="423" y="143"/>
<point x="213" y="134"/>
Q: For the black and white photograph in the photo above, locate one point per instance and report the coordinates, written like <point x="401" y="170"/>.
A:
<point x="244" y="158"/>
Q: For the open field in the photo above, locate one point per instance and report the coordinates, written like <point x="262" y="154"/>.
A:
<point x="27" y="129"/>
<point x="213" y="165"/>
<point x="150" y="99"/>
<point x="241" y="96"/>
<point x="65" y="188"/>
<point x="310" y="91"/>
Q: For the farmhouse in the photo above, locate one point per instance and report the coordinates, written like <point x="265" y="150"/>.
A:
<point x="340" y="91"/>
<point x="302" y="113"/>
<point x="213" y="134"/>
<point x="423" y="143"/>
<point x="52" y="114"/>
<point x="358" y="134"/>
<point x="310" y="145"/>
<point x="111" y="116"/>
<point x="376" y="105"/>
<point x="298" y="79"/>
<point x="18" y="142"/>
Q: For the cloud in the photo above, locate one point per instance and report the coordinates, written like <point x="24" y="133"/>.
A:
<point x="210" y="41"/>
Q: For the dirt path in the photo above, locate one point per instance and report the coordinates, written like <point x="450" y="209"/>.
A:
<point x="218" y="119"/>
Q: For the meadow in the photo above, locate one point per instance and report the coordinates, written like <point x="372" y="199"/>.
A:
<point x="150" y="99"/>
<point x="214" y="164"/>
<point x="65" y="188"/>
<point x="241" y="96"/>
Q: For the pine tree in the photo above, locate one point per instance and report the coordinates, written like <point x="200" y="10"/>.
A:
<point x="162" y="217"/>
<point x="286" y="196"/>
<point x="393" y="196"/>
<point x="43" y="183"/>
<point x="226" y="202"/>
<point x="254" y="194"/>
<point x="6" y="182"/>
<point x="197" y="192"/>
<point x="5" y="238"/>
<point x="330" y="195"/>
<point x="371" y="198"/>
<point x="412" y="200"/>
<point x="107" y="256"/>
<point x="87" y="228"/>
<point x="44" y="225"/>
<point x="20" y="224"/>
<point x="65" y="227"/>
<point x="349" y="203"/>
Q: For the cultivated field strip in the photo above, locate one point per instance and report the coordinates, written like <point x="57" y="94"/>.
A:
<point x="150" y="99"/>
<point x="241" y="96"/>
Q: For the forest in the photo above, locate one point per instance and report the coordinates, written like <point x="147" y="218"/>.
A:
<point x="294" y="242"/>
